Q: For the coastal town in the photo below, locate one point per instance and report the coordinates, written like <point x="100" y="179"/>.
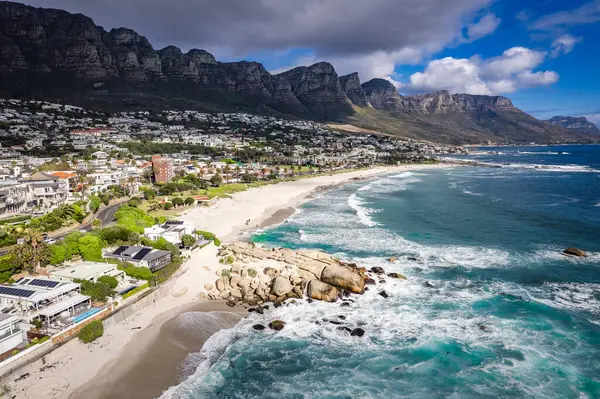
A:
<point x="91" y="203"/>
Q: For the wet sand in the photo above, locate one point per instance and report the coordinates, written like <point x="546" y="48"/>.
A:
<point x="151" y="362"/>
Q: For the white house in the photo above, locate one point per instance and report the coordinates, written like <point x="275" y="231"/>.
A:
<point x="171" y="230"/>
<point x="11" y="333"/>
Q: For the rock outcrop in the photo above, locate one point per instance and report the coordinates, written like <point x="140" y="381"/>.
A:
<point x="574" y="252"/>
<point x="258" y="275"/>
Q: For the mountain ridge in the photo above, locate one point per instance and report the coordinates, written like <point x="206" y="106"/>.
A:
<point x="52" y="54"/>
<point x="575" y="123"/>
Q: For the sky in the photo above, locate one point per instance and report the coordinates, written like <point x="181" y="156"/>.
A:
<point x="543" y="54"/>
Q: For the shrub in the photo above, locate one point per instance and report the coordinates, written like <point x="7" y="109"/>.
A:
<point x="167" y="206"/>
<point x="209" y="236"/>
<point x="141" y="273"/>
<point x="109" y="280"/>
<point x="177" y="201"/>
<point x="90" y="248"/>
<point x="252" y="273"/>
<point x="189" y="201"/>
<point x="91" y="332"/>
<point x="226" y="273"/>
<point x="94" y="203"/>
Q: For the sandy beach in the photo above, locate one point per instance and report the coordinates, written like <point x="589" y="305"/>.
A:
<point x="139" y="357"/>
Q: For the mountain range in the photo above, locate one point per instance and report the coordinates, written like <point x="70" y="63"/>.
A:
<point x="55" y="55"/>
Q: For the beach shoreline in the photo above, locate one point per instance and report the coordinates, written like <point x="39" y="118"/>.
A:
<point x="91" y="371"/>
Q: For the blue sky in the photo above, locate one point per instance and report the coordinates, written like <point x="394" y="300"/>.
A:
<point x="543" y="54"/>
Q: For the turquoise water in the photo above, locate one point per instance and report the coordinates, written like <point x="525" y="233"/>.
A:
<point x="490" y="308"/>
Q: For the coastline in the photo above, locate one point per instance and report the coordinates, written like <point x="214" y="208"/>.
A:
<point x="123" y="355"/>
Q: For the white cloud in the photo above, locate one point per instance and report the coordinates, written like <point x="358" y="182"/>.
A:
<point x="594" y="118"/>
<point x="540" y="78"/>
<point x="564" y="44"/>
<point x="512" y="61"/>
<point x="585" y="14"/>
<point x="455" y="75"/>
<point x="380" y="64"/>
<point x="485" y="26"/>
<point x="504" y="74"/>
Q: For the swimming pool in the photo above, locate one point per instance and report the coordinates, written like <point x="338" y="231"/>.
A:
<point x="86" y="314"/>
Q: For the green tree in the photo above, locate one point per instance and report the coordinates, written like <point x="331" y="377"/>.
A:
<point x="188" y="240"/>
<point x="90" y="248"/>
<point x="167" y="206"/>
<point x="98" y="291"/>
<point x="189" y="201"/>
<point x="177" y="201"/>
<point x="248" y="178"/>
<point x="94" y="203"/>
<point x="59" y="253"/>
<point x="216" y="180"/>
<point x="109" y="280"/>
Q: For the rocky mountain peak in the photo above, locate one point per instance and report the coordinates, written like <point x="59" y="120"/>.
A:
<point x="383" y="95"/>
<point x="201" y="56"/>
<point x="318" y="88"/>
<point x="577" y="124"/>
<point x="351" y="86"/>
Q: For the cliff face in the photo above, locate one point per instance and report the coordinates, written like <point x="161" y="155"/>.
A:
<point x="351" y="86"/>
<point x="577" y="124"/>
<point x="318" y="88"/>
<point x="54" y="55"/>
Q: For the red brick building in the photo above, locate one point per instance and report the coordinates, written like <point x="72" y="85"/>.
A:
<point x="163" y="169"/>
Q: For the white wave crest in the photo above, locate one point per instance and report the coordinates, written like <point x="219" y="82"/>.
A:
<point x="363" y="213"/>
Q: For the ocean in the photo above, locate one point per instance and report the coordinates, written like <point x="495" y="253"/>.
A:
<point x="490" y="307"/>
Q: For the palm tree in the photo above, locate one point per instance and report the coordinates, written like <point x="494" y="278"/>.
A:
<point x="34" y="252"/>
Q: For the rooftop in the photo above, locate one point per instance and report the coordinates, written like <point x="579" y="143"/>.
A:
<point x="83" y="270"/>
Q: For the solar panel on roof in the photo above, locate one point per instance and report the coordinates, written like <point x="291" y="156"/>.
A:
<point x="16" y="292"/>
<point x="142" y="253"/>
<point x="120" y="250"/>
<point x="174" y="222"/>
<point x="19" y="280"/>
<point x="44" y="283"/>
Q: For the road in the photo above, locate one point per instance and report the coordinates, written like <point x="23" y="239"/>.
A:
<point x="105" y="215"/>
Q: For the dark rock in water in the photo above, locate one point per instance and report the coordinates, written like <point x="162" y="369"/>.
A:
<point x="412" y="258"/>
<point x="309" y="300"/>
<point x="335" y="322"/>
<point x="366" y="288"/>
<point x="258" y="327"/>
<point x="347" y="294"/>
<point x="397" y="275"/>
<point x="377" y="270"/>
<point x="344" y="328"/>
<point x="260" y="310"/>
<point x="266" y="307"/>
<point x="342" y="317"/>
<point x="384" y="294"/>
<point x="344" y="304"/>
<point x="370" y="281"/>
<point x="357" y="332"/>
<point x="231" y="304"/>
<point x="250" y="310"/>
<point x="277" y="325"/>
<point x="574" y="252"/>
<point x="485" y="328"/>
<point x="382" y="281"/>
<point x="429" y="284"/>
<point x="277" y="304"/>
